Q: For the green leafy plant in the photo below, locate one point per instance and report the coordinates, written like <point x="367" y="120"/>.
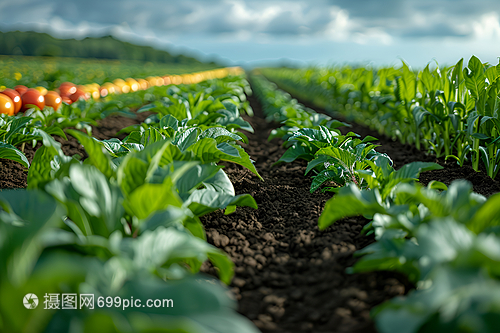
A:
<point x="449" y="111"/>
<point x="50" y="258"/>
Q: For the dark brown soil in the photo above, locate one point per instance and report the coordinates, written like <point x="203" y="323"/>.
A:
<point x="111" y="125"/>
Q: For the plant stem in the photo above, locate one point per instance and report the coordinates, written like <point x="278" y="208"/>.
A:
<point x="475" y="161"/>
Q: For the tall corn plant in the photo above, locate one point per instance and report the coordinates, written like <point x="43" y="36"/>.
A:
<point x="483" y="124"/>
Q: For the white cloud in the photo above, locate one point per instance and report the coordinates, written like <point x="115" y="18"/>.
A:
<point x="273" y="24"/>
<point x="487" y="27"/>
<point x="340" y="26"/>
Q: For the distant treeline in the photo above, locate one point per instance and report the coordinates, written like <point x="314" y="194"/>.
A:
<point x="108" y="47"/>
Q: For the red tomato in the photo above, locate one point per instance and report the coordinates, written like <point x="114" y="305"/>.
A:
<point x="79" y="94"/>
<point x="6" y="105"/>
<point x="67" y="89"/>
<point x="21" y="89"/>
<point x="33" y="97"/>
<point x="53" y="99"/>
<point x="15" y="97"/>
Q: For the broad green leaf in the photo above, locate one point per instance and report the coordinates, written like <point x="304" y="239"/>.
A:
<point x="205" y="201"/>
<point x="296" y="151"/>
<point x="419" y="114"/>
<point x="150" y="136"/>
<point x="492" y="74"/>
<point x="178" y="110"/>
<point x="172" y="216"/>
<point x="344" y="157"/>
<point x="23" y="215"/>
<point x="10" y="152"/>
<point x="56" y="131"/>
<point x="391" y="252"/>
<point x="186" y="138"/>
<point x="413" y="170"/>
<point x="132" y="173"/>
<point x="320" y="160"/>
<point x="407" y="84"/>
<point x="455" y="295"/>
<point x="207" y="151"/>
<point x="327" y="175"/>
<point x="220" y="134"/>
<point x="149" y="198"/>
<point x="195" y="176"/>
<point x="92" y="202"/>
<point x="169" y="121"/>
<point x="220" y="182"/>
<point x="488" y="216"/>
<point x="46" y="162"/>
<point x="139" y="167"/>
<point x="350" y="201"/>
<point x="97" y="155"/>
<point x="166" y="246"/>
<point x="16" y="126"/>
<point x="475" y="80"/>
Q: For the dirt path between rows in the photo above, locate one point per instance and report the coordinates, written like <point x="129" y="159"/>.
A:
<point x="290" y="277"/>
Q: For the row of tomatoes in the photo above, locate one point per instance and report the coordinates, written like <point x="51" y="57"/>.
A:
<point x="21" y="98"/>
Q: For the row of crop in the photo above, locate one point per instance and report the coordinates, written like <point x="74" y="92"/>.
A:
<point x="445" y="240"/>
<point x="124" y="224"/>
<point x="51" y="111"/>
<point x="14" y="100"/>
<point x="450" y="111"/>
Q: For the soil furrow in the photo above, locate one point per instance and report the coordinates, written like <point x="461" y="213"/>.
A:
<point x="291" y="277"/>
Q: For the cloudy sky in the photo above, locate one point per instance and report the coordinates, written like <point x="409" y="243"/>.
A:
<point x="254" y="31"/>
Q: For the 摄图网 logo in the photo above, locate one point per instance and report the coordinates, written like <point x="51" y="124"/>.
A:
<point x="30" y="301"/>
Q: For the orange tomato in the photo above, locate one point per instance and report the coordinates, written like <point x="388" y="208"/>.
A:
<point x="6" y="105"/>
<point x="15" y="97"/>
<point x="53" y="100"/>
<point x="79" y="93"/>
<point x="67" y="89"/>
<point x="33" y="97"/>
